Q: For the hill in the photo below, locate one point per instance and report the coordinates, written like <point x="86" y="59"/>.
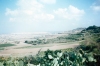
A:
<point x="92" y="39"/>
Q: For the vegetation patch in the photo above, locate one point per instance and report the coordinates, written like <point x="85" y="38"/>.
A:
<point x="6" y="45"/>
<point x="92" y="39"/>
<point x="54" y="58"/>
<point x="1" y="48"/>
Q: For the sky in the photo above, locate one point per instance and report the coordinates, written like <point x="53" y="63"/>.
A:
<point x="47" y="15"/>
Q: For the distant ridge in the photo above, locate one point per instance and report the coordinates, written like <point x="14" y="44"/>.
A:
<point x="75" y="30"/>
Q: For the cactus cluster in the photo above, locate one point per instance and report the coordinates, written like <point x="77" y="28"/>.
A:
<point x="53" y="58"/>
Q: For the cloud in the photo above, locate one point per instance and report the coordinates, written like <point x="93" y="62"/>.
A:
<point x="48" y="1"/>
<point x="69" y="13"/>
<point x="34" y="11"/>
<point x="96" y="6"/>
<point x="12" y="19"/>
<point x="10" y="12"/>
<point x="44" y="16"/>
<point x="28" y="11"/>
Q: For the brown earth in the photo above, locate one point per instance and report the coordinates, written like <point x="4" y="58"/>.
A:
<point x="18" y="50"/>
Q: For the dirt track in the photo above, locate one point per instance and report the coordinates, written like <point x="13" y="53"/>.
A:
<point x="34" y="51"/>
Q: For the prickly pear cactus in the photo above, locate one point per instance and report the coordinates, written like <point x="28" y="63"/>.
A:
<point x="16" y="63"/>
<point x="21" y="63"/>
<point x="1" y="64"/>
<point x="53" y="58"/>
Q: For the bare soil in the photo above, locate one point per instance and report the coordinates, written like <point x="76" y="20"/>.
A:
<point x="18" y="50"/>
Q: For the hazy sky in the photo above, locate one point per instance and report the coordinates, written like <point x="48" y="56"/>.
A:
<point x="47" y="15"/>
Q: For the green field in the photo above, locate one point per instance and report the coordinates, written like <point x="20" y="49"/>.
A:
<point x="6" y="45"/>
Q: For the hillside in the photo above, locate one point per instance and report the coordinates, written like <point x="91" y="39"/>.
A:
<point x="91" y="41"/>
<point x="56" y="50"/>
